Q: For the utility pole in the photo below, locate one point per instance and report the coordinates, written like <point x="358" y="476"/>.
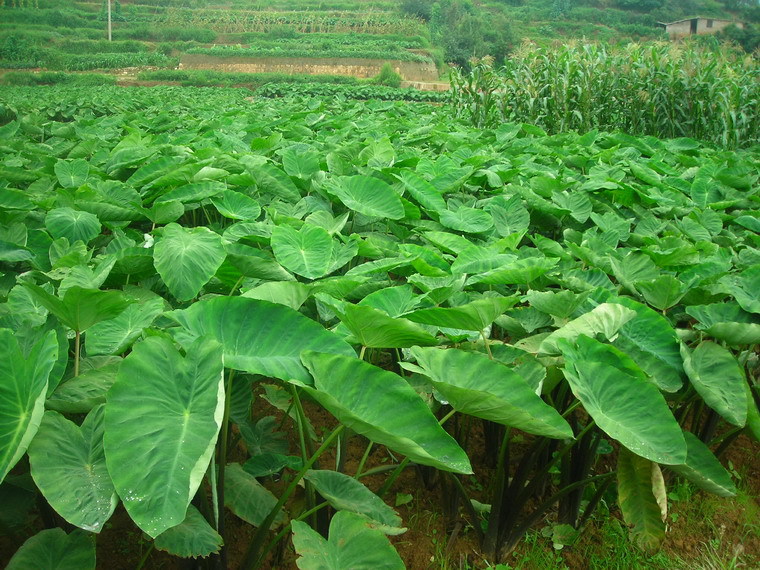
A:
<point x="109" y="20"/>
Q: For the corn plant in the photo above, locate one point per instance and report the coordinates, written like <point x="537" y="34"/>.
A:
<point x="656" y="89"/>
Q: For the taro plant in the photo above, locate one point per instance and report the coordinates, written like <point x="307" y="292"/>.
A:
<point x="184" y="289"/>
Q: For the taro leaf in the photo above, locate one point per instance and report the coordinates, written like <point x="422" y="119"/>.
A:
<point x="663" y="292"/>
<point x="422" y="191"/>
<point x="577" y="202"/>
<point x="718" y="378"/>
<point x="164" y="414"/>
<point x="263" y="436"/>
<point x="11" y="199"/>
<point x="473" y="316"/>
<point x="236" y="205"/>
<point x="614" y="391"/>
<point x="361" y="395"/>
<point x="510" y="216"/>
<point x="192" y="538"/>
<point x="637" y="501"/>
<point x="246" y="497"/>
<point x="703" y="469"/>
<point x="324" y="219"/>
<point x="368" y="196"/>
<point x="81" y="308"/>
<point x="88" y="277"/>
<point x="475" y="385"/>
<point x="72" y="173"/>
<point x="753" y="415"/>
<point x="74" y="225"/>
<point x="374" y="329"/>
<point x="634" y="266"/>
<point x="258" y="337"/>
<point x="354" y="542"/>
<point x="82" y="393"/>
<point x="272" y="180"/>
<point x="395" y="301"/>
<point x="300" y="163"/>
<point x="346" y="493"/>
<point x="518" y="271"/>
<point x="116" y="335"/>
<point x="14" y="253"/>
<point x="25" y="307"/>
<point x="255" y="263"/>
<point x="289" y="293"/>
<point x="305" y="252"/>
<point x="449" y="242"/>
<point x="69" y="468"/>
<point x="266" y="464"/>
<point x="650" y="340"/>
<point x="745" y="287"/>
<point x="726" y="322"/>
<point x="560" y="304"/>
<point x="187" y="258"/>
<point x="22" y="393"/>
<point x="605" y="319"/>
<point x="193" y="192"/>
<point x="53" y="549"/>
<point x="749" y="222"/>
<point x="164" y="212"/>
<point x="478" y="259"/>
<point x="466" y="219"/>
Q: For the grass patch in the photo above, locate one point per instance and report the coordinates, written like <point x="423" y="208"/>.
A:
<point x="58" y="78"/>
<point x="208" y="78"/>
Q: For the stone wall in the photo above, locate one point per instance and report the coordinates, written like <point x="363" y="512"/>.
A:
<point x="409" y="70"/>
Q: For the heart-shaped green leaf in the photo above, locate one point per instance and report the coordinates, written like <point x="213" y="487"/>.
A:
<point x="246" y="497"/>
<point x="53" y="549"/>
<point x="374" y="329"/>
<point x="346" y="493"/>
<point x="360" y="396"/>
<point x="186" y="259"/>
<point x="164" y="414"/>
<point x="718" y="378"/>
<point x="22" y="393"/>
<point x="72" y="224"/>
<point x="369" y="196"/>
<point x="116" y="335"/>
<point x="192" y="538"/>
<point x="605" y="319"/>
<point x="637" y="501"/>
<point x="236" y="205"/>
<point x="257" y="336"/>
<point x="473" y="316"/>
<point x="465" y="219"/>
<point x="72" y="173"/>
<point x="614" y="391"/>
<point x="422" y="191"/>
<point x="305" y="252"/>
<point x="353" y="543"/>
<point x="473" y="384"/>
<point x="69" y="467"/>
<point x="703" y="469"/>
<point x="81" y="308"/>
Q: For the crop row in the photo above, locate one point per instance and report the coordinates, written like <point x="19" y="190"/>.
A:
<point x="656" y="89"/>
<point x="179" y="261"/>
<point x="308" y="51"/>
<point x="302" y="22"/>
<point x="383" y="93"/>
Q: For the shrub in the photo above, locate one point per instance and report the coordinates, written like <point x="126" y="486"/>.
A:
<point x="387" y="76"/>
